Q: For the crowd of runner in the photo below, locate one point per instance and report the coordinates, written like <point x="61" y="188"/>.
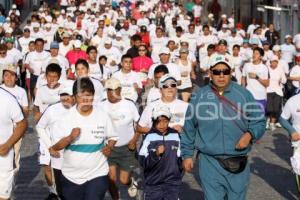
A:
<point x="99" y="77"/>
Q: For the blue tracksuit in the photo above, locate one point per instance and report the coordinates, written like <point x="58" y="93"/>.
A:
<point x="162" y="173"/>
<point x="213" y="128"/>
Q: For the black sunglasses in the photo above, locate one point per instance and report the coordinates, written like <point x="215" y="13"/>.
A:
<point x="219" y="72"/>
<point x="173" y="85"/>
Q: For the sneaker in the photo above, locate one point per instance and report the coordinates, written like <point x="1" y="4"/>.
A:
<point x="272" y="127"/>
<point x="52" y="196"/>
<point x="278" y="125"/>
<point x="132" y="190"/>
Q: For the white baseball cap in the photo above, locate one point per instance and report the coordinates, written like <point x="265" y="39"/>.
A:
<point x="66" y="90"/>
<point x="164" y="50"/>
<point x="274" y="58"/>
<point x="224" y="16"/>
<point x="210" y="15"/>
<point x="288" y="36"/>
<point x="276" y="48"/>
<point x="112" y="84"/>
<point x="77" y="44"/>
<point x="107" y="41"/>
<point x="163" y="80"/>
<point x="14" y="6"/>
<point x="217" y="58"/>
<point x="161" y="110"/>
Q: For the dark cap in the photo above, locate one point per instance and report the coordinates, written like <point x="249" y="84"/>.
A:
<point x="143" y="29"/>
<point x="222" y="42"/>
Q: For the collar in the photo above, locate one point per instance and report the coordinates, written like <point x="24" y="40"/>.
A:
<point x="227" y="89"/>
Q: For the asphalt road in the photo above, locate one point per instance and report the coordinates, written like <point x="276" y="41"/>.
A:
<point x="271" y="179"/>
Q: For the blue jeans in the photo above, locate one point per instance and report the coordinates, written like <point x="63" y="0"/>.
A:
<point x="94" y="189"/>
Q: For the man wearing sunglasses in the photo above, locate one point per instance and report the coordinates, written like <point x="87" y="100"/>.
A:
<point x="222" y="121"/>
<point x="168" y="89"/>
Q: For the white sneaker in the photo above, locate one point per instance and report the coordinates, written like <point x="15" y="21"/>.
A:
<point x="272" y="127"/>
<point x="267" y="126"/>
<point x="278" y="125"/>
<point x="132" y="190"/>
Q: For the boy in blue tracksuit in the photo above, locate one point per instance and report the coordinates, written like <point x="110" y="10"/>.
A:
<point x="160" y="158"/>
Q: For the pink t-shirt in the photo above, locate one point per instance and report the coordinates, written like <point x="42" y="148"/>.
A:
<point x="73" y="56"/>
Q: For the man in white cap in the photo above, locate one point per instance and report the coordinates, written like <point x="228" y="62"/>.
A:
<point x="48" y="35"/>
<point x="14" y="10"/>
<point x="5" y="59"/>
<point x="288" y="50"/>
<point x="66" y="45"/>
<point x="10" y="84"/>
<point x="124" y="115"/>
<point x="275" y="92"/>
<point x="120" y="44"/>
<point x="211" y="110"/>
<point x="281" y="63"/>
<point x="164" y="55"/>
<point x="224" y="33"/>
<point x="13" y="125"/>
<point x="36" y="32"/>
<point x="48" y="129"/>
<point x="168" y="89"/>
<point x="112" y="53"/>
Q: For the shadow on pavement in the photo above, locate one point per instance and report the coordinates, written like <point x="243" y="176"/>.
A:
<point x="270" y="173"/>
<point x="282" y="146"/>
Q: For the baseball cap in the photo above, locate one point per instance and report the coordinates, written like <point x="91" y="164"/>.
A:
<point x="274" y="58"/>
<point x="8" y="40"/>
<point x="265" y="42"/>
<point x="276" y="48"/>
<point x="35" y="25"/>
<point x="112" y="84"/>
<point x="165" y="78"/>
<point x="161" y="110"/>
<point x="224" y="16"/>
<point x="217" y="59"/>
<point x="164" y="50"/>
<point x="77" y="44"/>
<point x="65" y="35"/>
<point x="224" y="26"/>
<point x="54" y="45"/>
<point x="288" y="36"/>
<point x="10" y="68"/>
<point x="254" y="41"/>
<point x="184" y="50"/>
<point x="224" y="42"/>
<point x="108" y="41"/>
<point x="63" y="11"/>
<point x="48" y="25"/>
<point x="118" y="34"/>
<point x="66" y="91"/>
<point x="210" y="15"/>
<point x="9" y="30"/>
<point x="143" y="29"/>
<point x="14" y="6"/>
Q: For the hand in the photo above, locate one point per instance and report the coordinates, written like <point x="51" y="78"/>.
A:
<point x="30" y="69"/>
<point x="132" y="145"/>
<point x="244" y="141"/>
<point x="54" y="153"/>
<point x="112" y="63"/>
<point x="160" y="150"/>
<point x="188" y="164"/>
<point x="106" y="151"/>
<point x="4" y="149"/>
<point x="295" y="136"/>
<point x="193" y="75"/>
<point x="75" y="133"/>
<point x="135" y="85"/>
<point x="178" y="128"/>
<point x="252" y="75"/>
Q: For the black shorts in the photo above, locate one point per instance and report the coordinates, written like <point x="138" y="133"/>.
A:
<point x="123" y="158"/>
<point x="274" y="105"/>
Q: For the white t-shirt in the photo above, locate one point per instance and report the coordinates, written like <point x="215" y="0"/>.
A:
<point x="95" y="71"/>
<point x="35" y="61"/>
<point x="61" y="61"/>
<point x="127" y="82"/>
<point x="51" y="122"/>
<point x="19" y="93"/>
<point x="63" y="50"/>
<point x="291" y="111"/>
<point x="177" y="107"/>
<point x="185" y="71"/>
<point x="197" y="10"/>
<point x="83" y="159"/>
<point x="277" y="78"/>
<point x="295" y="72"/>
<point x="256" y="88"/>
<point x="288" y="52"/>
<point x="99" y="90"/>
<point x="237" y="63"/>
<point x="24" y="43"/>
<point x="46" y="96"/>
<point x="10" y="114"/>
<point x="153" y="95"/>
<point x="123" y="115"/>
<point x="173" y="69"/>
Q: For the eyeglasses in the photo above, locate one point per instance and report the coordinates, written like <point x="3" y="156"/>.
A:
<point x="173" y="85"/>
<point x="217" y="72"/>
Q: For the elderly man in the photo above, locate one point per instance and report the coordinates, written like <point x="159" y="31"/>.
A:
<point x="222" y="121"/>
